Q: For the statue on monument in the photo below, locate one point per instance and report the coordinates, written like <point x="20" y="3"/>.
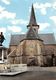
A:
<point x="1" y="38"/>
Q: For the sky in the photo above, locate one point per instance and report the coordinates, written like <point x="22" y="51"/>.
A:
<point x="15" y="15"/>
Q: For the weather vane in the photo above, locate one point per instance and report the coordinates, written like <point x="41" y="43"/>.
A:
<point x="1" y="38"/>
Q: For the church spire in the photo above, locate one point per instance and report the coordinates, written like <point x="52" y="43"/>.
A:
<point x="32" y="18"/>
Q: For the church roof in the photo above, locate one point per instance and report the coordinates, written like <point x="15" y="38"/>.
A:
<point x="32" y="21"/>
<point x="47" y="38"/>
<point x="15" y="39"/>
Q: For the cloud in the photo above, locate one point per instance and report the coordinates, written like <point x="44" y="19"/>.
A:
<point x="1" y="9"/>
<point x="6" y="1"/>
<point x="54" y="5"/>
<point x="2" y="29"/>
<point x="43" y="26"/>
<point x="6" y="14"/>
<point x="19" y="21"/>
<point x="23" y="32"/>
<point x="53" y="18"/>
<point x="14" y="29"/>
<point x="42" y="7"/>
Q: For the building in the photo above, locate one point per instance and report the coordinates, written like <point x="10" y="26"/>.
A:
<point x="33" y="48"/>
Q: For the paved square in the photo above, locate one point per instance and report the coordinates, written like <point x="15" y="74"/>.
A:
<point x="32" y="75"/>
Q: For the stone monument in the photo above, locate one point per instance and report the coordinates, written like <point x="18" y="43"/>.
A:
<point x="2" y="48"/>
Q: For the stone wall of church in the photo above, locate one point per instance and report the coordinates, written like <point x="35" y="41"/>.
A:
<point x="27" y="51"/>
<point x="50" y="51"/>
<point x="12" y="47"/>
<point x="32" y="51"/>
<point x="15" y="57"/>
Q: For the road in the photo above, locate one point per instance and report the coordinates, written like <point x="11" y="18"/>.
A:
<point x="32" y="75"/>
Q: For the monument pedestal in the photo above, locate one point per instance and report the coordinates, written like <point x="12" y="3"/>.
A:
<point x="2" y="53"/>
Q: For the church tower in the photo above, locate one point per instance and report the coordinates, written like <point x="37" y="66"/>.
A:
<point x="32" y="22"/>
<point x="33" y="27"/>
<point x="33" y="43"/>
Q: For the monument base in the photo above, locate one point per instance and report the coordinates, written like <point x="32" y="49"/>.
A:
<point x="2" y="62"/>
<point x="3" y="51"/>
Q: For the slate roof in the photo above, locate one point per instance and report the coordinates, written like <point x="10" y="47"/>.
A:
<point x="47" y="38"/>
<point x="15" y="39"/>
<point x="32" y="35"/>
<point x="32" y="21"/>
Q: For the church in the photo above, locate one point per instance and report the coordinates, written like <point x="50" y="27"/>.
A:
<point x="32" y="48"/>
